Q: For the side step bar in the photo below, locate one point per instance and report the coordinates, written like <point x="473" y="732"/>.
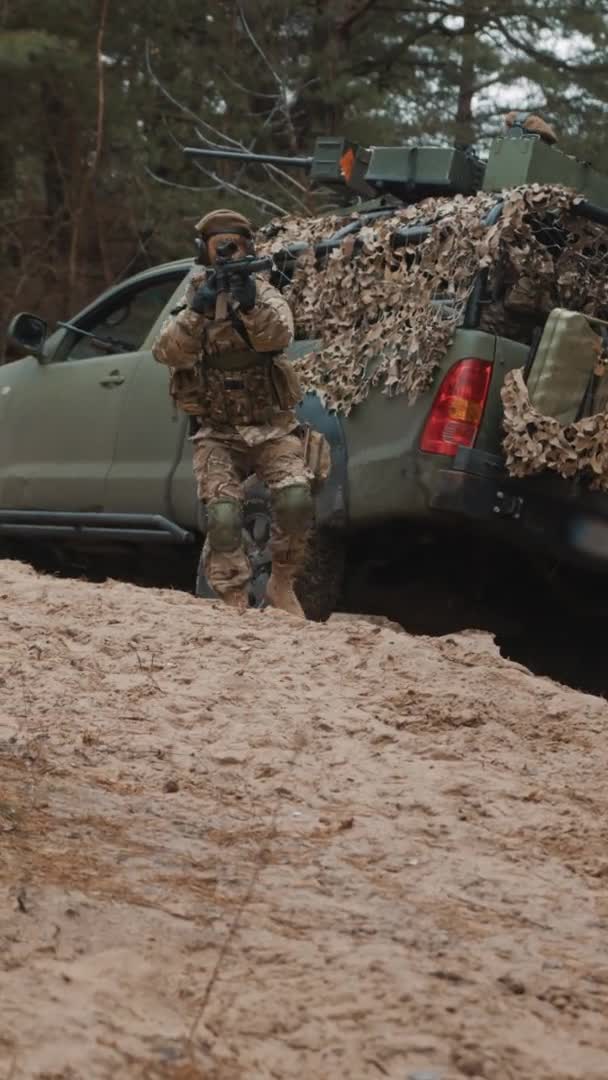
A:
<point x="66" y="525"/>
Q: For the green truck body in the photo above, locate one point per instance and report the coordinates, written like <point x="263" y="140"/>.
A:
<point x="99" y="433"/>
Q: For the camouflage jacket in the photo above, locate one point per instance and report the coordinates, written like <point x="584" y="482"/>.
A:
<point x="187" y="336"/>
<point x="233" y="381"/>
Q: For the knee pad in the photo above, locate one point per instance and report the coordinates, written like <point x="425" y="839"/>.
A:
<point x="224" y="524"/>
<point x="293" y="507"/>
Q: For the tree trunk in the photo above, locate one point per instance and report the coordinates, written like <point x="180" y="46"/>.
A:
<point x="319" y="110"/>
<point x="465" y="132"/>
<point x="56" y="167"/>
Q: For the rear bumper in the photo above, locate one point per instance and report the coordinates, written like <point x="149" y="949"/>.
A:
<point x="556" y="522"/>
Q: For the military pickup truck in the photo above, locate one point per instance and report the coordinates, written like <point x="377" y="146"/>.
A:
<point x="94" y="460"/>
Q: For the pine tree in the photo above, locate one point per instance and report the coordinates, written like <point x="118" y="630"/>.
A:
<point x="102" y="95"/>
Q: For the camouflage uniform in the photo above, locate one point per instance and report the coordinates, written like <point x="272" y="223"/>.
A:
<point x="226" y="372"/>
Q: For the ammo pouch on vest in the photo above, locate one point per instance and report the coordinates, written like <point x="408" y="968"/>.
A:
<point x="564" y="365"/>
<point x="184" y="387"/>
<point x="317" y="455"/>
<point x="286" y="384"/>
<point x="236" y="388"/>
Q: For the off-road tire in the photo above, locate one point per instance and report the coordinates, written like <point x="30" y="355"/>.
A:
<point x="320" y="584"/>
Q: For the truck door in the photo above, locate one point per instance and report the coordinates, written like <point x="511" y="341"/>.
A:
<point x="151" y="438"/>
<point x="62" y="416"/>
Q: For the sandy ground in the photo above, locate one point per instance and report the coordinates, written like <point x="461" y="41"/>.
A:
<point x="249" y="848"/>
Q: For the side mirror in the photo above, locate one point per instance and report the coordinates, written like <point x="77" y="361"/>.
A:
<point x="29" y="332"/>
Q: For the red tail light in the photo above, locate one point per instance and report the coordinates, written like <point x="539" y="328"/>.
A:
<point x="458" y="408"/>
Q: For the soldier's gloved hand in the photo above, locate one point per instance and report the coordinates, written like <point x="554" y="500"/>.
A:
<point x="205" y="296"/>
<point x="242" y="289"/>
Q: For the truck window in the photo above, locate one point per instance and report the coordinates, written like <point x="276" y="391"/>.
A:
<point x="126" y="319"/>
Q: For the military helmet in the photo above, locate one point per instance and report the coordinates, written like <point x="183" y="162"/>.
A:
<point x="217" y="222"/>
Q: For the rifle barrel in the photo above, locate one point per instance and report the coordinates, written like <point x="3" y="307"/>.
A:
<point x="244" y="155"/>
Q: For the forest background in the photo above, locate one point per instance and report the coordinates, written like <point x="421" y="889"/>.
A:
<point x="100" y="96"/>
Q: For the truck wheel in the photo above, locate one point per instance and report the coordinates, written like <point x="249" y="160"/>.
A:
<point x="320" y="583"/>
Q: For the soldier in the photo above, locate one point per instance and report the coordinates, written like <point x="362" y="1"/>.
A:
<point x="532" y="124"/>
<point x="223" y="348"/>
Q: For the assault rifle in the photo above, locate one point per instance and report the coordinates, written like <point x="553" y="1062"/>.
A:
<point x="226" y="266"/>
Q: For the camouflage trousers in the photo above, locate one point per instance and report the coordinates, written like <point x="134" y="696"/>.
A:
<point x="221" y="467"/>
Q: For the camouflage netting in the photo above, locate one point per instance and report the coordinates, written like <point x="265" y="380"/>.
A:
<point x="541" y="255"/>
<point x="534" y="442"/>
<point x="372" y="305"/>
<point x="546" y="256"/>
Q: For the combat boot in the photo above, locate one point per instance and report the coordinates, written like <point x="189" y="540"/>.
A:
<point x="280" y="592"/>
<point x="238" y="599"/>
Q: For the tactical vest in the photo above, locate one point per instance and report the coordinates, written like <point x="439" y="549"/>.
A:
<point x="236" y="387"/>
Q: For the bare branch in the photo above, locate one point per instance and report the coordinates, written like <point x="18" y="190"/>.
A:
<point x="274" y="171"/>
<point x="163" y="89"/>
<point x="241" y="191"/>
<point x="257" y="45"/>
<point x="290" y="194"/>
<point x="245" y="89"/>
<point x="184" y="108"/>
<point x="174" y="184"/>
<point x="180" y="146"/>
<point x="284" y="97"/>
<point x="269" y="168"/>
<point x="219" y="137"/>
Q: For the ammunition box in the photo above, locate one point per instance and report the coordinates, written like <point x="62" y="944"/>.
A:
<point x="529" y="160"/>
<point x="413" y="172"/>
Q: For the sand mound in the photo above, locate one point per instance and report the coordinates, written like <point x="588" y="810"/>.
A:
<point x="248" y="848"/>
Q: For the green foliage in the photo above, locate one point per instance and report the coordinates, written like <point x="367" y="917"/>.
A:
<point x="93" y="181"/>
<point x="21" y="50"/>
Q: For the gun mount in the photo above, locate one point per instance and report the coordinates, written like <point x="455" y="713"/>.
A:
<point x="336" y="162"/>
<point x="406" y="174"/>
